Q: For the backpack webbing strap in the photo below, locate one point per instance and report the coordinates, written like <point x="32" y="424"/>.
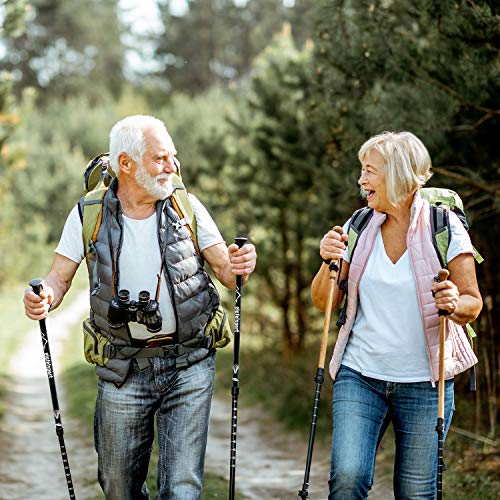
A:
<point x="90" y="208"/>
<point x="440" y="229"/>
<point x="358" y="223"/>
<point x="184" y="209"/>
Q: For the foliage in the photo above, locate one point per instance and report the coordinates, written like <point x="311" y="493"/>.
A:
<point x="224" y="37"/>
<point x="270" y="181"/>
<point x="432" y="69"/>
<point x="68" y="46"/>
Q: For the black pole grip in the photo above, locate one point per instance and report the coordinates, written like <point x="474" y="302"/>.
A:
<point x="36" y="284"/>
<point x="240" y="241"/>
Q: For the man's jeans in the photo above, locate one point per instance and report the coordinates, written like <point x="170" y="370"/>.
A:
<point x="363" y="407"/>
<point x="124" y="429"/>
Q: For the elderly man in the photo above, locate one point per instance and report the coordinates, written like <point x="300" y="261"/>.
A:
<point x="160" y="362"/>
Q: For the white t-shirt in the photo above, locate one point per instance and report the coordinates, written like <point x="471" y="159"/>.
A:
<point x="137" y="274"/>
<point x="387" y="340"/>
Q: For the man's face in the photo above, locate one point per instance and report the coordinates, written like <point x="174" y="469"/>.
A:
<point x="154" y="173"/>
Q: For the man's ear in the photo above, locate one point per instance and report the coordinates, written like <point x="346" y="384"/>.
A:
<point x="125" y="163"/>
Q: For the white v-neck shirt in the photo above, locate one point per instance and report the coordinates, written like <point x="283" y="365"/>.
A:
<point x="140" y="258"/>
<point x="387" y="339"/>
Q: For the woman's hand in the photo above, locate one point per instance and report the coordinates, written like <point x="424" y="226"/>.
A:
<point x="446" y="296"/>
<point x="332" y="245"/>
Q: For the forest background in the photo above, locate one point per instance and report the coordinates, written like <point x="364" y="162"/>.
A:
<point x="268" y="102"/>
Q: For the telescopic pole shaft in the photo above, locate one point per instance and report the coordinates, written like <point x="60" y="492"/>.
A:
<point x="442" y="276"/>
<point x="36" y="284"/>
<point x="235" y="389"/>
<point x="319" y="378"/>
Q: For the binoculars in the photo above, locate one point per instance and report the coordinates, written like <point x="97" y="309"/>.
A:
<point x="145" y="311"/>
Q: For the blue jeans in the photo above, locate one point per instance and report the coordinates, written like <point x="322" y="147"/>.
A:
<point x="363" y="407"/>
<point x="124" y="429"/>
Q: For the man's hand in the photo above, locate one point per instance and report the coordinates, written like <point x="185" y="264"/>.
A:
<point x="227" y="262"/>
<point x="243" y="260"/>
<point x="54" y="287"/>
<point x="37" y="306"/>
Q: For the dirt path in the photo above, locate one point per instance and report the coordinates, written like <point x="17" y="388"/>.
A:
<point x="270" y="461"/>
<point x="30" y="458"/>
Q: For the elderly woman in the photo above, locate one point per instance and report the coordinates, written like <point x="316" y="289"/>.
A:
<point x="385" y="363"/>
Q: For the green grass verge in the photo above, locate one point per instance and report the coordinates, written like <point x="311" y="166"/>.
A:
<point x="15" y="325"/>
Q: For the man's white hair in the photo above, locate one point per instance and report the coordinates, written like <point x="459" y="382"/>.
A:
<point x="127" y="136"/>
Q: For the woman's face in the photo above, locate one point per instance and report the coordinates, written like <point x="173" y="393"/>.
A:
<point x="373" y="182"/>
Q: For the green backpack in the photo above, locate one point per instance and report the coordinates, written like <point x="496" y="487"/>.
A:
<point x="441" y="201"/>
<point x="97" y="177"/>
<point x="96" y="180"/>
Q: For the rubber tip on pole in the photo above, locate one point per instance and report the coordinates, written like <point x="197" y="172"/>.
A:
<point x="36" y="284"/>
<point x="240" y="241"/>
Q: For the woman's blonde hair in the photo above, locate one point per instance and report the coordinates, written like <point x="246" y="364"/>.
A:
<point x="407" y="162"/>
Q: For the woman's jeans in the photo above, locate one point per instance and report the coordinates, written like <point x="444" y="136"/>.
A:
<point x="124" y="429"/>
<point x="363" y="407"/>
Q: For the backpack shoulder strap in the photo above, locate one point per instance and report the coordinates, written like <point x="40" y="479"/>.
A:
<point x="182" y="205"/>
<point x="357" y="225"/>
<point x="440" y="230"/>
<point x="90" y="209"/>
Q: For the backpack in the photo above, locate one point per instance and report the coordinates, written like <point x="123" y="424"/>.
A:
<point x="441" y="201"/>
<point x="97" y="177"/>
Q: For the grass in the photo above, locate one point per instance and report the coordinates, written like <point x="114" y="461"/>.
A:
<point x="15" y="325"/>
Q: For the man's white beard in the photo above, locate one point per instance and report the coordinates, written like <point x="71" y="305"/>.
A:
<point x="151" y="184"/>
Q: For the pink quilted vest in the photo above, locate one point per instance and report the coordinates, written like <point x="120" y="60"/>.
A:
<point x="459" y="355"/>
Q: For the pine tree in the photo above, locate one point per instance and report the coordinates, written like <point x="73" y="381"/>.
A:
<point x="272" y="183"/>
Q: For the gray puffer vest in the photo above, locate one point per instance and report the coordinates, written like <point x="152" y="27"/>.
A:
<point x="194" y="296"/>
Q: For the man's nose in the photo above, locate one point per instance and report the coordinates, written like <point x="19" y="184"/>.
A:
<point x="170" y="166"/>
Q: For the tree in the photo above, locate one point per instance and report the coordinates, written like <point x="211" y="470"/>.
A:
<point x="215" y="41"/>
<point x="69" y="46"/>
<point x="268" y="162"/>
<point x="432" y="68"/>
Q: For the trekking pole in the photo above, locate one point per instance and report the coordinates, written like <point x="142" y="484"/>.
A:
<point x="319" y="378"/>
<point x="235" y="389"/>
<point x="36" y="284"/>
<point x="442" y="276"/>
